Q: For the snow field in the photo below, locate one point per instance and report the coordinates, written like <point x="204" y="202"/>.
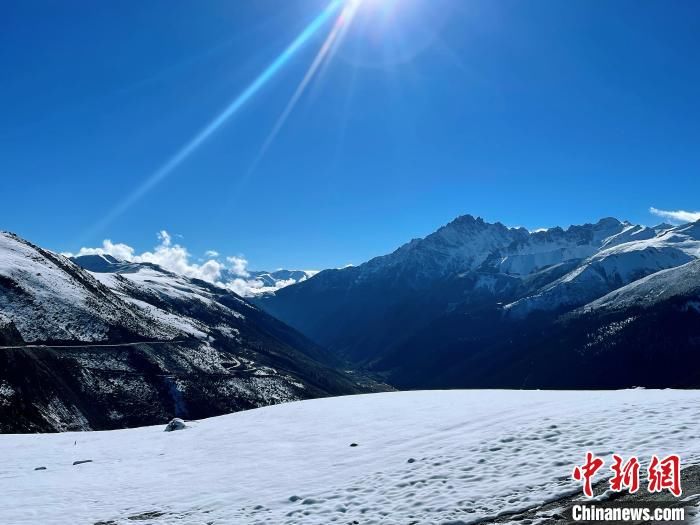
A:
<point x="421" y="457"/>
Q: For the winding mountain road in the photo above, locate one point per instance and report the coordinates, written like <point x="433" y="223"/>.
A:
<point x="93" y="345"/>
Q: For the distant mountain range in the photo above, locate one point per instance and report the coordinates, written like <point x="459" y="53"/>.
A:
<point x="96" y="343"/>
<point x="478" y="304"/>
<point x="278" y="278"/>
<point x="265" y="282"/>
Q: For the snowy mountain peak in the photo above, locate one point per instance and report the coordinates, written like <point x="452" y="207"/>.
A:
<point x="607" y="222"/>
<point x="544" y="248"/>
<point x="469" y="243"/>
<point x="280" y="278"/>
<point x="466" y="224"/>
<point x="463" y="244"/>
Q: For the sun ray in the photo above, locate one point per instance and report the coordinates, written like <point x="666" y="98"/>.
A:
<point x="322" y="58"/>
<point x="180" y="156"/>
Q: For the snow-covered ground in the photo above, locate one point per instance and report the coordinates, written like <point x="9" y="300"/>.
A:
<point x="421" y="457"/>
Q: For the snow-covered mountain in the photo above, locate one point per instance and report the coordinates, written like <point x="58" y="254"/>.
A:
<point x="447" y="457"/>
<point x="621" y="260"/>
<point x="48" y="298"/>
<point x="430" y="303"/>
<point x="674" y="283"/>
<point x="100" y="343"/>
<point x="280" y="278"/>
<point x="260" y="282"/>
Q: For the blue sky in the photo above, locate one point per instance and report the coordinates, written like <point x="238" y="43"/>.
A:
<point x="532" y="113"/>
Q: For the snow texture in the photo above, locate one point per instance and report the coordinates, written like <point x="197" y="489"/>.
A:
<point x="421" y="457"/>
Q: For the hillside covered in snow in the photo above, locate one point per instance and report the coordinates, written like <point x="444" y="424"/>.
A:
<point x="132" y="344"/>
<point x="419" y="458"/>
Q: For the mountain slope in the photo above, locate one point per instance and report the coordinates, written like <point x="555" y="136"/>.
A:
<point x="357" y="311"/>
<point x="469" y="260"/>
<point x="471" y="304"/>
<point x="131" y="344"/>
<point x="71" y="305"/>
<point x="620" y="341"/>
<point x="680" y="283"/>
<point x="616" y="265"/>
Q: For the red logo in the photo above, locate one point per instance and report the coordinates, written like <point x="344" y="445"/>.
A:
<point x="586" y="472"/>
<point x="625" y="475"/>
<point x="663" y="474"/>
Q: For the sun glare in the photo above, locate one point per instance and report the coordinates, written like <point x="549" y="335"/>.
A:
<point x="365" y="33"/>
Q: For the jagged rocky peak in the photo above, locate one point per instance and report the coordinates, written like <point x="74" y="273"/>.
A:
<point x="469" y="224"/>
<point x="461" y="245"/>
<point x="468" y="243"/>
<point x="465" y="220"/>
<point x="609" y="222"/>
<point x="465" y="228"/>
<point x="662" y="227"/>
<point x="606" y="227"/>
<point x="543" y="248"/>
<point x="596" y="233"/>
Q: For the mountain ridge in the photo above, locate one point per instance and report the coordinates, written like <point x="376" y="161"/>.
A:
<point x="135" y="344"/>
<point x="468" y="277"/>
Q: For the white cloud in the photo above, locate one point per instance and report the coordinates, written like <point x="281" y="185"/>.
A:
<point x="250" y="287"/>
<point x="238" y="266"/>
<point x="245" y="287"/>
<point x="164" y="238"/>
<point x="120" y="251"/>
<point x="176" y="258"/>
<point x="172" y="257"/>
<point x="677" y="215"/>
